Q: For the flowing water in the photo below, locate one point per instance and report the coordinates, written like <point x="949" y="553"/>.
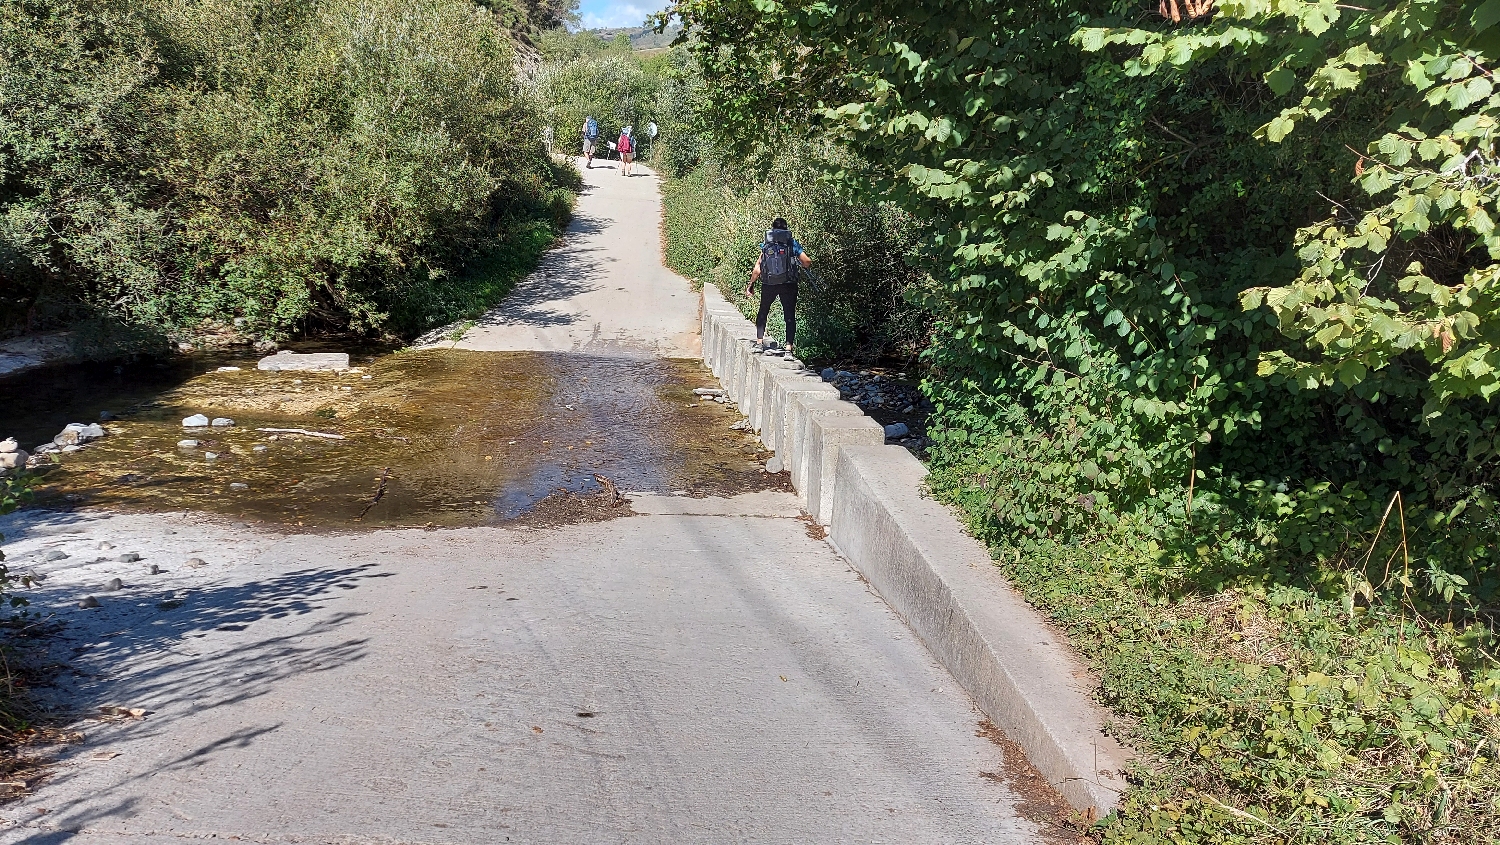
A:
<point x="432" y="437"/>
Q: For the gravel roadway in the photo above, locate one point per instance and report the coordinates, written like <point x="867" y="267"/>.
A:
<point x="702" y="670"/>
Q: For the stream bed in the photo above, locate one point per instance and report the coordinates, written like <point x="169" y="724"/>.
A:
<point x="432" y="437"/>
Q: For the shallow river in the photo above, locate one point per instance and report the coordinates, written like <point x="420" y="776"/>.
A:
<point x="440" y="437"/>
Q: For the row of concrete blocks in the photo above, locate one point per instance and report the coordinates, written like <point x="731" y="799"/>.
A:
<point x="917" y="556"/>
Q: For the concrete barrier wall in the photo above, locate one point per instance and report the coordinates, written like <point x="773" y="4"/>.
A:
<point x="942" y="581"/>
<point x="916" y="555"/>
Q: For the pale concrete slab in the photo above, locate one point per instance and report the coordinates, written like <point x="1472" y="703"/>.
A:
<point x="769" y="503"/>
<point x="605" y="289"/>
<point x="804" y="408"/>
<point x="287" y="361"/>
<point x="651" y="679"/>
<point x="826" y="434"/>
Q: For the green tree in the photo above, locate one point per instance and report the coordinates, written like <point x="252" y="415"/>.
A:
<point x="303" y="165"/>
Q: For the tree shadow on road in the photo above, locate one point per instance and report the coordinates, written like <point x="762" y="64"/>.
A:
<point x="180" y="656"/>
<point x="563" y="273"/>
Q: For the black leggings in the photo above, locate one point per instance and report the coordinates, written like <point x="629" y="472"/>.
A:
<point x="788" y="294"/>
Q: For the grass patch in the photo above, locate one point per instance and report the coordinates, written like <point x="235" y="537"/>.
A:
<point x="1268" y="707"/>
<point x="480" y="282"/>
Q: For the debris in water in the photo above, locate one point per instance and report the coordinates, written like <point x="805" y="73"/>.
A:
<point x="303" y="431"/>
<point x="379" y="493"/>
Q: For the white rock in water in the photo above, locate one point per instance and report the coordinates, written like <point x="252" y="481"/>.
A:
<point x="259" y="447"/>
<point x="222" y="422"/>
<point x="195" y="421"/>
<point x="707" y="391"/>
<point x="9" y="444"/>
<point x="210" y="456"/>
<point x="285" y="361"/>
<point x="187" y="444"/>
<point x="227" y="370"/>
<point x="13" y="460"/>
<point x="239" y="485"/>
<point x="92" y="431"/>
<point x="896" y="430"/>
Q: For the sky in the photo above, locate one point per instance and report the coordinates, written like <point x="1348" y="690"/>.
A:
<point x="598" y="14"/>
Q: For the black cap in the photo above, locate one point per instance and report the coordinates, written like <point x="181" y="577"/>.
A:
<point x="779" y="223"/>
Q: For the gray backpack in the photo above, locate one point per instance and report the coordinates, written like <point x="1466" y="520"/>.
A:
<point x="777" y="265"/>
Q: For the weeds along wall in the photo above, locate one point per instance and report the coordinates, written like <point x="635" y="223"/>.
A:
<point x="282" y="167"/>
<point x="854" y="306"/>
<point x="857" y="305"/>
<point x="1214" y="359"/>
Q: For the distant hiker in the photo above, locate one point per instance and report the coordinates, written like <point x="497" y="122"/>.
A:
<point x="590" y="138"/>
<point x="776" y="269"/>
<point x="627" y="151"/>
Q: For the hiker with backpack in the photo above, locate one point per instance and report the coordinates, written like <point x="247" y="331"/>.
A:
<point x="627" y="151"/>
<point x="590" y="138"/>
<point x="781" y="258"/>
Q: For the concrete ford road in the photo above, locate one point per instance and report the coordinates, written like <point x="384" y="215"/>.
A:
<point x="701" y="671"/>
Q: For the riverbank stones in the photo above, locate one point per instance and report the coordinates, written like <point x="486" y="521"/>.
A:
<point x="77" y="434"/>
<point x="195" y="421"/>
<point x="13" y="457"/>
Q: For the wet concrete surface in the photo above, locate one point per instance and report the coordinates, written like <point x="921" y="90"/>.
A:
<point x="432" y="437"/>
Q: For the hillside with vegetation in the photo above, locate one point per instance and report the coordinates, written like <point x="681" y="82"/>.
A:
<point x="1205" y="298"/>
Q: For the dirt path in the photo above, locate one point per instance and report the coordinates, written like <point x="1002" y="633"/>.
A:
<point x="702" y="671"/>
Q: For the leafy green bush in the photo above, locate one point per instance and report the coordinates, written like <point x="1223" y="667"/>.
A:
<point x="300" y="165"/>
<point x="1272" y="713"/>
<point x="857" y="304"/>
<point x="582" y="75"/>
<point x="854" y="307"/>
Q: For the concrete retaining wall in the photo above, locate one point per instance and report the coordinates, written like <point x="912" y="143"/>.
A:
<point x="917" y="556"/>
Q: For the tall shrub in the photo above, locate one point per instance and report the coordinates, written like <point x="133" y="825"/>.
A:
<point x="298" y="165"/>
